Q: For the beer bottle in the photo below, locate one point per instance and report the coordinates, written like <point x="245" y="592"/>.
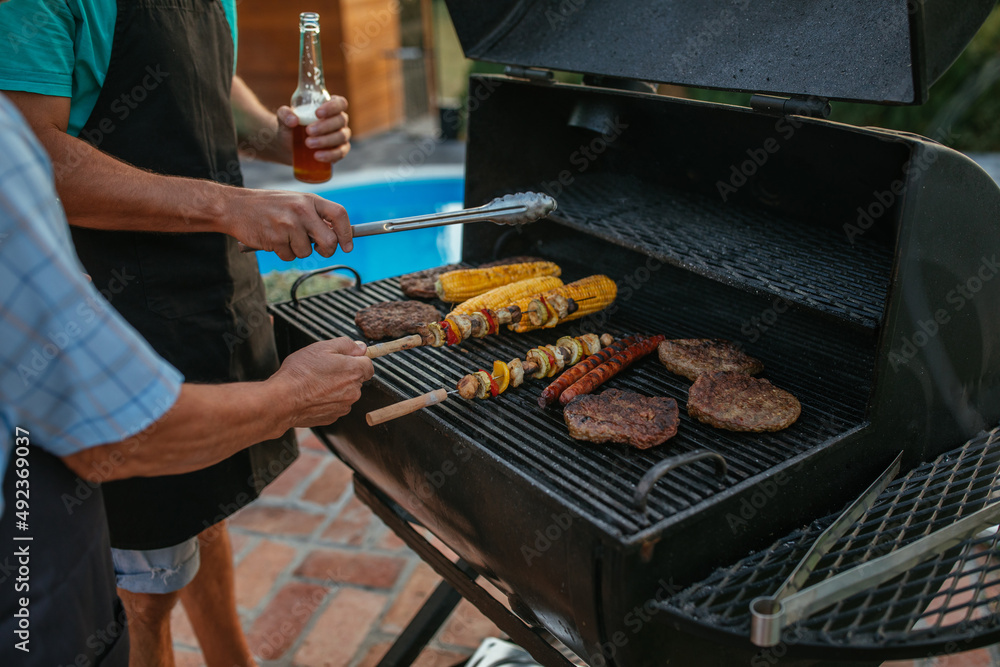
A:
<point x="307" y="98"/>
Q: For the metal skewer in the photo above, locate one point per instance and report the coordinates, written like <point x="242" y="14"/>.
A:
<point x="415" y="340"/>
<point x="516" y="209"/>
<point x="409" y="405"/>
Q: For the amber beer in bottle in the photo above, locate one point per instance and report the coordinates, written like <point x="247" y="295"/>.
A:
<point x="307" y="98"/>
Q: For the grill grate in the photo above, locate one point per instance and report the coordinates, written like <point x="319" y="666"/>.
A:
<point x="807" y="265"/>
<point x="598" y="481"/>
<point x="949" y="599"/>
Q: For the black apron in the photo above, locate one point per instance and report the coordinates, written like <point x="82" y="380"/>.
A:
<point x="164" y="106"/>
<point x="73" y="610"/>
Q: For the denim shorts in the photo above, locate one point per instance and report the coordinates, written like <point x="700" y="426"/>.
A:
<point x="157" y="570"/>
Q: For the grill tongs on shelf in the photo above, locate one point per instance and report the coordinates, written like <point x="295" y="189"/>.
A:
<point x="791" y="603"/>
<point x="516" y="209"/>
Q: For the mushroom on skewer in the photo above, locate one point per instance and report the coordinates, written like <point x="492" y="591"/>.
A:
<point x="544" y="361"/>
<point x="452" y="330"/>
<point x="540" y="362"/>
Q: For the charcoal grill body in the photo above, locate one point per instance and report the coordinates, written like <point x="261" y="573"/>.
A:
<point x="565" y="543"/>
<point x="835" y="254"/>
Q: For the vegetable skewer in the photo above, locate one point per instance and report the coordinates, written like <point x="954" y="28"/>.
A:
<point x="450" y="331"/>
<point x="458" y="327"/>
<point x="543" y="361"/>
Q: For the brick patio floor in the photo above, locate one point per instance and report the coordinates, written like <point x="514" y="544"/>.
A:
<point x="320" y="581"/>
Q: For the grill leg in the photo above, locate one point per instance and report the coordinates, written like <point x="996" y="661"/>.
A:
<point x="520" y="633"/>
<point x="424" y="625"/>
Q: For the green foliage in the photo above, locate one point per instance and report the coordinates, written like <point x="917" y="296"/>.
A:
<point x="278" y="284"/>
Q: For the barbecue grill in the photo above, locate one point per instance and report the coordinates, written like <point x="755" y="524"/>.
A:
<point x="857" y="263"/>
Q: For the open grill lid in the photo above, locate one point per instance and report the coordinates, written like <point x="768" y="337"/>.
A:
<point x="884" y="51"/>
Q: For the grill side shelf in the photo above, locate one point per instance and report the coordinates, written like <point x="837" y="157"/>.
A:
<point x="947" y="603"/>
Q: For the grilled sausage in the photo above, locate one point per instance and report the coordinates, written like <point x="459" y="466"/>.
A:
<point x="610" y="368"/>
<point x="552" y="392"/>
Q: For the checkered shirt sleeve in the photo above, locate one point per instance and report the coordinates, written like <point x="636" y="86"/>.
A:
<point x="72" y="371"/>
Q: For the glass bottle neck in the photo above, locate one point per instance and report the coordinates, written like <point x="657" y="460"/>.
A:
<point x="310" y="60"/>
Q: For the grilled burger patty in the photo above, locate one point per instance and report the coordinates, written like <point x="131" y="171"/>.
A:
<point x="420" y="285"/>
<point x="738" y="402"/>
<point x="394" y="319"/>
<point x="691" y="357"/>
<point x="622" y="416"/>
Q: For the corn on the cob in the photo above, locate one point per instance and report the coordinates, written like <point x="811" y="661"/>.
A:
<point x="501" y="297"/>
<point x="592" y="294"/>
<point x="461" y="285"/>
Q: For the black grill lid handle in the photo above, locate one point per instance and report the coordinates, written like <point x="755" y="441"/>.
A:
<point x="306" y="276"/>
<point x="652" y="475"/>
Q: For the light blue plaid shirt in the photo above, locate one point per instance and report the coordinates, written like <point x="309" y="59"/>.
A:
<point x="73" y="373"/>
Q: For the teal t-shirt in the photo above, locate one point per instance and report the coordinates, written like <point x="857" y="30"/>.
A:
<point x="62" y="48"/>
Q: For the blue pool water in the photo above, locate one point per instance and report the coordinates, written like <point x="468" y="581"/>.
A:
<point x="386" y="255"/>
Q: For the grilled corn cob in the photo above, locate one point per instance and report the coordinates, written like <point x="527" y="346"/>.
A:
<point x="500" y="297"/>
<point x="591" y="294"/>
<point x="458" y="286"/>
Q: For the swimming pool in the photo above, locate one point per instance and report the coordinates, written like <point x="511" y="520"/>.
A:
<point x="369" y="197"/>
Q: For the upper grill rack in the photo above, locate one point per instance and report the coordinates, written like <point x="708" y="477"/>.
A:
<point x="598" y="481"/>
<point x="950" y="599"/>
<point x="758" y="250"/>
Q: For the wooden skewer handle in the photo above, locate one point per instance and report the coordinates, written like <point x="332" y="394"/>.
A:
<point x="396" y="410"/>
<point x="405" y="343"/>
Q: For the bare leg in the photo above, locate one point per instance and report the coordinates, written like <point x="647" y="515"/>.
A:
<point x="149" y="628"/>
<point x="210" y="603"/>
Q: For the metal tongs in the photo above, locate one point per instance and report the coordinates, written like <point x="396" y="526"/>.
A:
<point x="791" y="604"/>
<point x="516" y="209"/>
